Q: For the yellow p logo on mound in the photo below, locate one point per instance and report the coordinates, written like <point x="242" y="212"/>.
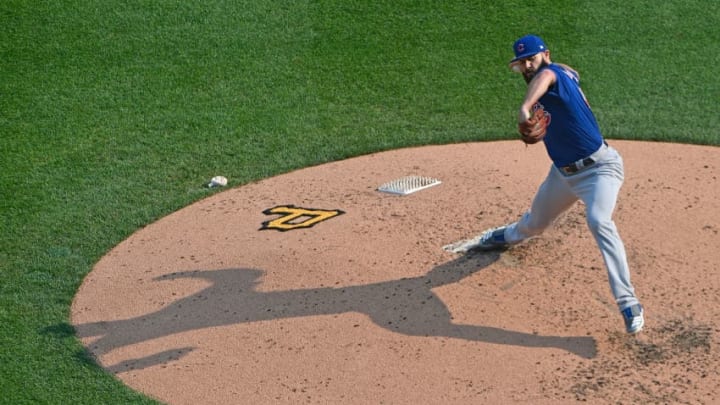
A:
<point x="293" y="217"/>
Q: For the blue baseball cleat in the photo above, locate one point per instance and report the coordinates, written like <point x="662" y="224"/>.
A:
<point x="634" y="320"/>
<point x="494" y="239"/>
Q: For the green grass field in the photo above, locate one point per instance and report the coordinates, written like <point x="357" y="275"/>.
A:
<point x="114" y="114"/>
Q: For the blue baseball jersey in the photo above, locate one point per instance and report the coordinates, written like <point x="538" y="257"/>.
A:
<point x="573" y="132"/>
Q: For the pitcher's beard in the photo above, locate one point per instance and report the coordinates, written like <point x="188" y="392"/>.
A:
<point x="528" y="75"/>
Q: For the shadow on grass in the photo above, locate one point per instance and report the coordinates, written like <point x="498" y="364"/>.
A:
<point x="407" y="306"/>
<point x="64" y="330"/>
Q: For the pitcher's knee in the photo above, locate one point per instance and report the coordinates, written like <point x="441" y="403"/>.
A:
<point x="600" y="225"/>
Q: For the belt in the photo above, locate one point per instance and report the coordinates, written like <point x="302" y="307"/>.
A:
<point x="578" y="165"/>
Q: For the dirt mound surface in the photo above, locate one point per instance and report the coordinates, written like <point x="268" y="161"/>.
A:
<point x="313" y="287"/>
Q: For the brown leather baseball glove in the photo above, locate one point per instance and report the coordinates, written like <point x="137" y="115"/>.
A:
<point x="533" y="129"/>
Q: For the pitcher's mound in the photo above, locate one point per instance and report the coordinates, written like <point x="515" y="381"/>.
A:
<point x="314" y="287"/>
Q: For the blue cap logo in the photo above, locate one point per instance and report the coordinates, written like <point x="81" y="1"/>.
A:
<point x="527" y="46"/>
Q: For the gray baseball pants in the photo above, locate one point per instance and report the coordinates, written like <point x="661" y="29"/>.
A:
<point x="597" y="186"/>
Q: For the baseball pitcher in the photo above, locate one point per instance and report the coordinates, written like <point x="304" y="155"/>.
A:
<point x="584" y="167"/>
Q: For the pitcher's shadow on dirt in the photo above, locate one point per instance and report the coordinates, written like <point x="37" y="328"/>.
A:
<point x="407" y="306"/>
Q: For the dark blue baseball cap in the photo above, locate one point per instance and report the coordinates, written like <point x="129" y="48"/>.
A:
<point x="527" y="46"/>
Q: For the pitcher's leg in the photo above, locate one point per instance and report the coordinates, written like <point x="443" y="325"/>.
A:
<point x="599" y="193"/>
<point x="614" y="256"/>
<point x="553" y="198"/>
